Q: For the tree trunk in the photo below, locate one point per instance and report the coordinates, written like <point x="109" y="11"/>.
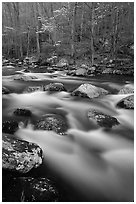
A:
<point x="82" y="22"/>
<point x="73" y="31"/>
<point x="92" y="33"/>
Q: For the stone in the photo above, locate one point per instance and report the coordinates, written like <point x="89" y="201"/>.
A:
<point x="18" y="155"/>
<point x="127" y="89"/>
<point x="54" y="122"/>
<point x="22" y="112"/>
<point x="89" y="91"/>
<point x="29" y="189"/>
<point x="24" y="77"/>
<point x="31" y="89"/>
<point x="9" y="126"/>
<point x="5" y="90"/>
<point x="102" y="119"/>
<point x="54" y="87"/>
<point x="81" y="72"/>
<point x="62" y="63"/>
<point x="127" y="102"/>
<point x="107" y="71"/>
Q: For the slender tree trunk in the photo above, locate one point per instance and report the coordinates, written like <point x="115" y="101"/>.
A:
<point x="115" y="31"/>
<point x="92" y="33"/>
<point x="28" y="41"/>
<point x="37" y="29"/>
<point x="82" y="22"/>
<point x="73" y="31"/>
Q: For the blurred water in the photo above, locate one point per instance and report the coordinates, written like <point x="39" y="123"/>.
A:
<point x="96" y="162"/>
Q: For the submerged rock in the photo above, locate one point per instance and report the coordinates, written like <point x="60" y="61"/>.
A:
<point x="29" y="189"/>
<point x="9" y="126"/>
<point x="127" y="102"/>
<point x="103" y="120"/>
<point x="127" y="89"/>
<point x="18" y="155"/>
<point x="54" y="87"/>
<point x="5" y="90"/>
<point x="89" y="91"/>
<point x="22" y="112"/>
<point x="31" y="89"/>
<point x="52" y="122"/>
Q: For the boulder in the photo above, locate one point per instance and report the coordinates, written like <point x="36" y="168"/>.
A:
<point x="54" y="122"/>
<point x="118" y="72"/>
<point x="103" y="120"/>
<point x="22" y="112"/>
<point x="91" y="70"/>
<point x="9" y="126"/>
<point x="62" y="63"/>
<point x="81" y="72"/>
<point x="8" y="67"/>
<point x="18" y="155"/>
<point x="5" y="90"/>
<point x="29" y="189"/>
<point x="31" y="89"/>
<point x="89" y="91"/>
<point x="107" y="71"/>
<point x="54" y="87"/>
<point x="127" y="102"/>
<point x="127" y="89"/>
<point x="24" y="77"/>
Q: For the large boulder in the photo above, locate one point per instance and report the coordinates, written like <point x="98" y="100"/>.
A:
<point x="29" y="189"/>
<point x="22" y="112"/>
<point x="9" y="126"/>
<point x="127" y="102"/>
<point x="89" y="91"/>
<point x="102" y="119"/>
<point x="54" y="87"/>
<point x="5" y="90"/>
<point x="54" y="122"/>
<point x="18" y="155"/>
<point x="127" y="89"/>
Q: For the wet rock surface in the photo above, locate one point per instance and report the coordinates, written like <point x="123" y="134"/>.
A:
<point x="18" y="155"/>
<point x="103" y="120"/>
<point x="22" y="112"/>
<point x="127" y="89"/>
<point x="29" y="189"/>
<point x="56" y="123"/>
<point x="54" y="87"/>
<point x="24" y="77"/>
<point x="9" y="126"/>
<point x="127" y="102"/>
<point x="89" y="91"/>
<point x="5" y="90"/>
<point x="31" y="89"/>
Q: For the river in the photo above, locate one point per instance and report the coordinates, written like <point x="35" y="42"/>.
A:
<point x="92" y="163"/>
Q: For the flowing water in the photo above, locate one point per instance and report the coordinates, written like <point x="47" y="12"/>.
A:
<point x="90" y="162"/>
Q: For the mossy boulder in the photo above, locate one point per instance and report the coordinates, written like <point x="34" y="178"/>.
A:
<point x="127" y="102"/>
<point x="102" y="119"/>
<point x="29" y="189"/>
<point x="54" y="122"/>
<point x="9" y="126"/>
<point x="54" y="87"/>
<point x="18" y="155"/>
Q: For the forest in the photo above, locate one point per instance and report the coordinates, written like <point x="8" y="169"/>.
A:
<point x="68" y="101"/>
